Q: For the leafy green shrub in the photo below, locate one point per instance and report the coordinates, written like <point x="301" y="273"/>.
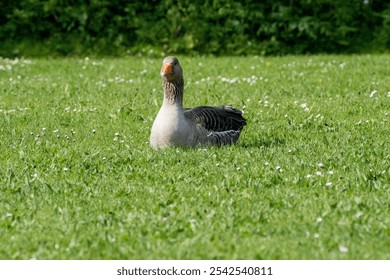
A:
<point x="207" y="27"/>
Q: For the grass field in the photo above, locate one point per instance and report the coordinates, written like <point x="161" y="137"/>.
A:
<point x="308" y="179"/>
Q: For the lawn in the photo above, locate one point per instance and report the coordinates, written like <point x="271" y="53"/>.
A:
<point x="308" y="179"/>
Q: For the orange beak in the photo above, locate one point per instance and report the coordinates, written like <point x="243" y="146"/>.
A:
<point x="167" y="68"/>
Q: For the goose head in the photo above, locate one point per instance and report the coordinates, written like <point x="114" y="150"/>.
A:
<point x="171" y="70"/>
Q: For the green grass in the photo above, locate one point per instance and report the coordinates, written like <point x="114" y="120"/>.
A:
<point x="71" y="189"/>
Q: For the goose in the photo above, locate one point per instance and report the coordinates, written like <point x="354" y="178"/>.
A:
<point x="176" y="126"/>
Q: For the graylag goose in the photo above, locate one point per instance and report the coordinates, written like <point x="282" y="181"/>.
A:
<point x="190" y="127"/>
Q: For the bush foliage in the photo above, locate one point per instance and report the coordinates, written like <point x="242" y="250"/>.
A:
<point x="194" y="26"/>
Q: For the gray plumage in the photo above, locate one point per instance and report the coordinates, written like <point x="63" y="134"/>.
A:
<point x="200" y="126"/>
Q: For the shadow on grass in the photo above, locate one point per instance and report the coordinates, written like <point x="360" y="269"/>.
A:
<point x="267" y="143"/>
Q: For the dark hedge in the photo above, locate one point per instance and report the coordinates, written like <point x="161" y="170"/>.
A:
<point x="220" y="27"/>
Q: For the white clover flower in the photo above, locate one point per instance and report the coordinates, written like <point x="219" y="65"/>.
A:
<point x="321" y="165"/>
<point x="373" y="93"/>
<point x="65" y="169"/>
<point x="308" y="176"/>
<point x="319" y="219"/>
<point x="328" y="184"/>
<point x="304" y="107"/>
<point x="330" y="172"/>
<point x="318" y="173"/>
<point x="343" y="249"/>
<point x="359" y="214"/>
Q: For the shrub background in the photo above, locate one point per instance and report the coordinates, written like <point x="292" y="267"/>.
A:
<point x="36" y="27"/>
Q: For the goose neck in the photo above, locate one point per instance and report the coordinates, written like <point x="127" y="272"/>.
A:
<point x="173" y="92"/>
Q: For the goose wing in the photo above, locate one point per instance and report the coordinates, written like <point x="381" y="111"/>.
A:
<point x="217" y="119"/>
